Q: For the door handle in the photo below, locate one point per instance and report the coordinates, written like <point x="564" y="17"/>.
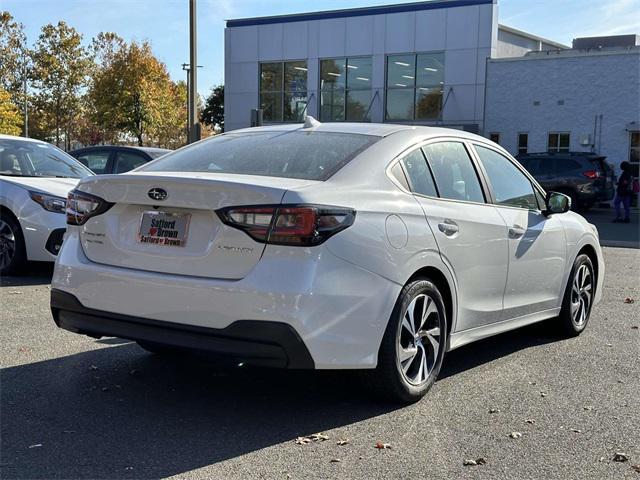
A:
<point x="448" y="227"/>
<point x="516" y="231"/>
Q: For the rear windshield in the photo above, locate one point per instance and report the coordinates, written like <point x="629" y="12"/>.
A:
<point x="295" y="154"/>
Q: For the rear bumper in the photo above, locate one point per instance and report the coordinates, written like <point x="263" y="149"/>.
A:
<point x="338" y="310"/>
<point x="271" y="344"/>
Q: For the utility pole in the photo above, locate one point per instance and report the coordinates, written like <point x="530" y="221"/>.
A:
<point x="24" y="91"/>
<point x="187" y="67"/>
<point x="194" y="125"/>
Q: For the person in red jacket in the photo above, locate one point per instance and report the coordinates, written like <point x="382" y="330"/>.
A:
<point x="624" y="192"/>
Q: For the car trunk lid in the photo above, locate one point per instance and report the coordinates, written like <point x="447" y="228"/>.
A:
<point x="181" y="234"/>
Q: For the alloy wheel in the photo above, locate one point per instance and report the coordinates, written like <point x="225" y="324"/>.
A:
<point x="419" y="339"/>
<point x="581" y="295"/>
<point x="7" y="244"/>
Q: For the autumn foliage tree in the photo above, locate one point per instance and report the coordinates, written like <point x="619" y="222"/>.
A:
<point x="10" y="118"/>
<point x="132" y="93"/>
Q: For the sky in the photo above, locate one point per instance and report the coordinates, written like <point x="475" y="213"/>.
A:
<point x="165" y="23"/>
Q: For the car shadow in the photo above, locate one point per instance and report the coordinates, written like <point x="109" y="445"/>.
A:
<point x="117" y="412"/>
<point x="36" y="273"/>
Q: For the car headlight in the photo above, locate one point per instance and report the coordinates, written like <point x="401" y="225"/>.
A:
<point x="49" y="202"/>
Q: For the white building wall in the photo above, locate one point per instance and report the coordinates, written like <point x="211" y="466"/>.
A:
<point x="572" y="88"/>
<point x="467" y="35"/>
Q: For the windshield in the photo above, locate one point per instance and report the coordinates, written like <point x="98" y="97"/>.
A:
<point x="295" y="154"/>
<point x="20" y="158"/>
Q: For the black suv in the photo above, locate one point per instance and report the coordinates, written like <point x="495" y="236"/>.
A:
<point x="585" y="177"/>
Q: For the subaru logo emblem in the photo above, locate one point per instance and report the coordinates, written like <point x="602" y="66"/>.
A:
<point x="157" y="194"/>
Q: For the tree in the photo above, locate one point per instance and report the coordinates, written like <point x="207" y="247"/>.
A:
<point x="14" y="58"/>
<point x="10" y="118"/>
<point x="132" y="93"/>
<point x="61" y="66"/>
<point x="213" y="112"/>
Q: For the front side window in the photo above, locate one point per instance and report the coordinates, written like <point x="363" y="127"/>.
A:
<point x="510" y="186"/>
<point x="414" y="87"/>
<point x="419" y="175"/>
<point x="283" y="91"/>
<point x="345" y="89"/>
<point x="523" y="143"/>
<point x="295" y="154"/>
<point x="20" y="158"/>
<point x="558" y="142"/>
<point x="634" y="147"/>
<point x="454" y="173"/>
<point x="95" y="160"/>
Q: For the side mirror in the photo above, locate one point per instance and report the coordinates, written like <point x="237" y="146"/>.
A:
<point x="557" y="203"/>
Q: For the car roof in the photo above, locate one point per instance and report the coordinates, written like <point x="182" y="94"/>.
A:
<point x="375" y="129"/>
<point x="13" y="137"/>
<point x="124" y="147"/>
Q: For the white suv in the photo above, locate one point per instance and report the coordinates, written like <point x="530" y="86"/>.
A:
<point x="334" y="246"/>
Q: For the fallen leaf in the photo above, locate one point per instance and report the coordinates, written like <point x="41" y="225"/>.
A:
<point x="515" y="434"/>
<point x="530" y="421"/>
<point x="93" y="367"/>
<point x="344" y="441"/>
<point x="634" y="327"/>
<point x="576" y="430"/>
<point x="609" y="344"/>
<point x="382" y="446"/>
<point x="15" y="292"/>
<point x="542" y="394"/>
<point x="620" y="457"/>
<point x="335" y="460"/>
<point x="481" y="461"/>
<point x="629" y="300"/>
<point x="494" y="410"/>
<point x="302" y="440"/>
<point x="319" y="437"/>
<point x="469" y="462"/>
<point x="35" y="446"/>
<point x="532" y="383"/>
<point x="636" y="467"/>
<point x="588" y="407"/>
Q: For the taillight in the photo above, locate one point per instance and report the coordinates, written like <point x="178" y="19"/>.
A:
<point x="591" y="174"/>
<point x="301" y="225"/>
<point x="82" y="206"/>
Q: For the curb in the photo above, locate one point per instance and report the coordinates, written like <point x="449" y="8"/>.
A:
<point x="619" y="244"/>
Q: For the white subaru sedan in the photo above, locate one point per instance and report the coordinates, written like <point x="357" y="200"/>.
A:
<point x="326" y="246"/>
<point x="35" y="178"/>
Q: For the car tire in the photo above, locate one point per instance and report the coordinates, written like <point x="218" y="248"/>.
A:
<point x="411" y="354"/>
<point x="578" y="298"/>
<point x="13" y="255"/>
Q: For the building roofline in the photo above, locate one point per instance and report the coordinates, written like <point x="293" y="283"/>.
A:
<point x="571" y="53"/>
<point x="356" y="12"/>
<point x="522" y="33"/>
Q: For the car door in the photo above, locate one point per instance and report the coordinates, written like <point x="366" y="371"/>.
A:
<point x="469" y="232"/>
<point x="537" y="251"/>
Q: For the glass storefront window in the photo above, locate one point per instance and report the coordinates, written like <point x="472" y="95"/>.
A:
<point x="414" y="88"/>
<point x="345" y="89"/>
<point x="283" y="91"/>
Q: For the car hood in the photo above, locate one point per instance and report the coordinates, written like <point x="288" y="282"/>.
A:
<point x="59" y="187"/>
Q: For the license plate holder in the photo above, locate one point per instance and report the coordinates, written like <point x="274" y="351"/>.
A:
<point x="164" y="229"/>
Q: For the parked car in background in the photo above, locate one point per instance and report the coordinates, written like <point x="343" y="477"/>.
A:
<point x="35" y="178"/>
<point x="587" y="178"/>
<point x="103" y="159"/>
<point x="331" y="246"/>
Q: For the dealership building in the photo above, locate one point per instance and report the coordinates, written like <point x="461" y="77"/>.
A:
<point x="443" y="63"/>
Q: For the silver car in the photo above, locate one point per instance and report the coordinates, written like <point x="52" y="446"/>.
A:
<point x="326" y="246"/>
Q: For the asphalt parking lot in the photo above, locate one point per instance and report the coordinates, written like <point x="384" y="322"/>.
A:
<point x="75" y="407"/>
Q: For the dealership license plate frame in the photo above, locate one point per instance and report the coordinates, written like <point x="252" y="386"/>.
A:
<point x="164" y="241"/>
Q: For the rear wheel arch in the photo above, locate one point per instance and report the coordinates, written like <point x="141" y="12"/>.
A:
<point x="442" y="283"/>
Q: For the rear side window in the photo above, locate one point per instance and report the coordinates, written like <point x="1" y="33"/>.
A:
<point x="292" y="154"/>
<point x="455" y="176"/>
<point x="511" y="187"/>
<point x="126" y="161"/>
<point x="419" y="175"/>
<point x="95" y="160"/>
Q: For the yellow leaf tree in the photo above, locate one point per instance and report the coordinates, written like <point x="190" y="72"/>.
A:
<point x="10" y="118"/>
